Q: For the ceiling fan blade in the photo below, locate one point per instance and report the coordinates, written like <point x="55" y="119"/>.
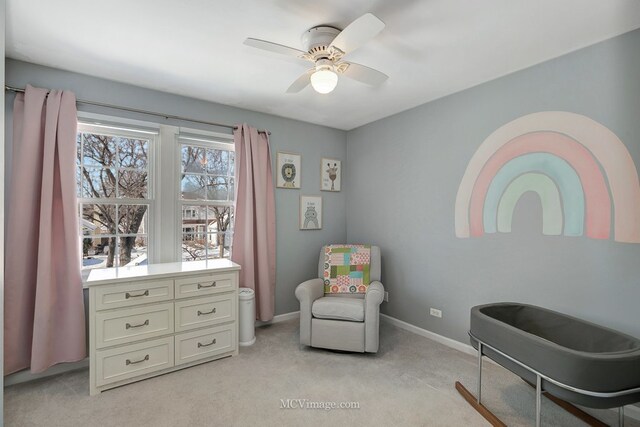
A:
<point x="363" y="74"/>
<point x="275" y="47"/>
<point x="358" y="32"/>
<point x="301" y="82"/>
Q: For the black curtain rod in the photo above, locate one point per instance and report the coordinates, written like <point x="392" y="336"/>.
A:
<point x="147" y="112"/>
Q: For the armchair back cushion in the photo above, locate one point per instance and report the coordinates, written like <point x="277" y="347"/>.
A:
<point x="346" y="269"/>
<point x="374" y="266"/>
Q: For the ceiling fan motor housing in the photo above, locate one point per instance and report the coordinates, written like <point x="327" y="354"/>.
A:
<point x="317" y="39"/>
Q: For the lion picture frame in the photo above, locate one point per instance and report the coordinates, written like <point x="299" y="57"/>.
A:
<point x="310" y="212"/>
<point x="288" y="170"/>
<point x="330" y="174"/>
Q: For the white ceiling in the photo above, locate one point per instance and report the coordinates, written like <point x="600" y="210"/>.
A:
<point x="429" y="48"/>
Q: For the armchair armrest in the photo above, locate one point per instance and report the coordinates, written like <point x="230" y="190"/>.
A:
<point x="372" y="300"/>
<point x="375" y="294"/>
<point x="310" y="290"/>
<point x="307" y="292"/>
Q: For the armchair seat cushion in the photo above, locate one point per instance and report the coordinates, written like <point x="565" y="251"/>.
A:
<point x="337" y="308"/>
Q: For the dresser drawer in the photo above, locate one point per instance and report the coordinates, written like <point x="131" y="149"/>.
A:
<point x="204" y="285"/>
<point x="192" y="346"/>
<point x="133" y="293"/>
<point x="130" y="361"/>
<point x="133" y="324"/>
<point x="200" y="312"/>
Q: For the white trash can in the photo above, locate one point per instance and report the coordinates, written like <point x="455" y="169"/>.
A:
<point x="247" y="313"/>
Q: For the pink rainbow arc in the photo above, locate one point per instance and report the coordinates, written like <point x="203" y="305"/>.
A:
<point x="597" y="200"/>
<point x="613" y="192"/>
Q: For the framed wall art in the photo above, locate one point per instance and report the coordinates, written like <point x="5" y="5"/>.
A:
<point x="288" y="170"/>
<point x="310" y="212"/>
<point x="330" y="174"/>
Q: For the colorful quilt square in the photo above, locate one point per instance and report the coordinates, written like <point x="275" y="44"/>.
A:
<point x="346" y="268"/>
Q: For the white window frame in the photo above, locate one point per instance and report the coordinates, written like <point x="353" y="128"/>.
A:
<point x="202" y="139"/>
<point x="164" y="235"/>
<point x="111" y="126"/>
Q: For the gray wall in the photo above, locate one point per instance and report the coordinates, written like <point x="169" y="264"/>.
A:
<point x="297" y="251"/>
<point x="403" y="173"/>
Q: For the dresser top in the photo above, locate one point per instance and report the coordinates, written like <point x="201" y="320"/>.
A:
<point x="103" y="276"/>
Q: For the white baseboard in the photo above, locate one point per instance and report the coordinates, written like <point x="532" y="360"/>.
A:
<point x="279" y="318"/>
<point x="457" y="345"/>
<point x="630" y="411"/>
<point x="26" y="375"/>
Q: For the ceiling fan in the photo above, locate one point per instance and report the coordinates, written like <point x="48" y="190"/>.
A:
<point x="326" y="47"/>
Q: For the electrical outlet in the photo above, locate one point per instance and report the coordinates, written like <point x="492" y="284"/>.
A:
<point x="435" y="312"/>
<point x="386" y="296"/>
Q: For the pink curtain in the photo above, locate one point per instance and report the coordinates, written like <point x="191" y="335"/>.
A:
<point x="254" y="235"/>
<point x="44" y="307"/>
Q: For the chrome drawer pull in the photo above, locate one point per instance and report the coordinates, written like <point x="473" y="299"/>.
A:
<point x="204" y="313"/>
<point x="144" y="294"/>
<point x="207" y="345"/>
<point x="129" y="362"/>
<point x="129" y="325"/>
<point x="212" y="285"/>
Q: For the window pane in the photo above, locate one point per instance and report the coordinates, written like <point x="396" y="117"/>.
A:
<point x="98" y="183"/>
<point x="193" y="219"/>
<point x="193" y="159"/>
<point x="193" y="187"/>
<point x="217" y="188"/>
<point x="132" y="251"/>
<point x="232" y="189"/>
<point x="98" y="150"/>
<point x="98" y="219"/>
<point x="132" y="153"/>
<point x="207" y="175"/>
<point x="78" y="182"/>
<point x="98" y="252"/>
<point x="219" y="246"/>
<point x="79" y="149"/>
<point x="132" y="184"/>
<point x="93" y="252"/>
<point x="110" y="167"/>
<point x="193" y="247"/>
<point x="193" y="212"/>
<point x="219" y="218"/>
<point x="217" y="162"/>
<point x="228" y="240"/>
<point x="132" y="219"/>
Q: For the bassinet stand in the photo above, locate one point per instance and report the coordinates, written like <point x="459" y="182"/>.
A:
<point x="476" y="401"/>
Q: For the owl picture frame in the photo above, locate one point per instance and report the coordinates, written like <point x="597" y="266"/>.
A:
<point x="288" y="170"/>
<point x="310" y="212"/>
<point x="330" y="174"/>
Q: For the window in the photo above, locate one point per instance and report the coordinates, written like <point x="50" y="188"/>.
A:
<point x="114" y="195"/>
<point x="206" y="198"/>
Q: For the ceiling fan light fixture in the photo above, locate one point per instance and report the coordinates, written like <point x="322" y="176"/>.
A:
<point x="324" y="80"/>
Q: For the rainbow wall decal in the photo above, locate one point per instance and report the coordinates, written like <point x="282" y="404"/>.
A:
<point x="582" y="173"/>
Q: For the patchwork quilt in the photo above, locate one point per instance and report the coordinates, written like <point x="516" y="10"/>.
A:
<point x="346" y="269"/>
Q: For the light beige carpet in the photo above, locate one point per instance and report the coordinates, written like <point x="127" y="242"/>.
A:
<point x="409" y="382"/>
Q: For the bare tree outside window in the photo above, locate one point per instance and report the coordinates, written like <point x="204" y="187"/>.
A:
<point x="113" y="184"/>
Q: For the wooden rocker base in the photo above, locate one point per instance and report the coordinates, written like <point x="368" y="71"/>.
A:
<point x="573" y="410"/>
<point x="495" y="421"/>
<point x="482" y="410"/>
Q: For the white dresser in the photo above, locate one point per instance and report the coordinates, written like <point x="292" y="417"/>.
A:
<point x="149" y="320"/>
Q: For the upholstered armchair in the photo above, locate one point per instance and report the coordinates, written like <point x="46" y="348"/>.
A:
<point x="347" y="322"/>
